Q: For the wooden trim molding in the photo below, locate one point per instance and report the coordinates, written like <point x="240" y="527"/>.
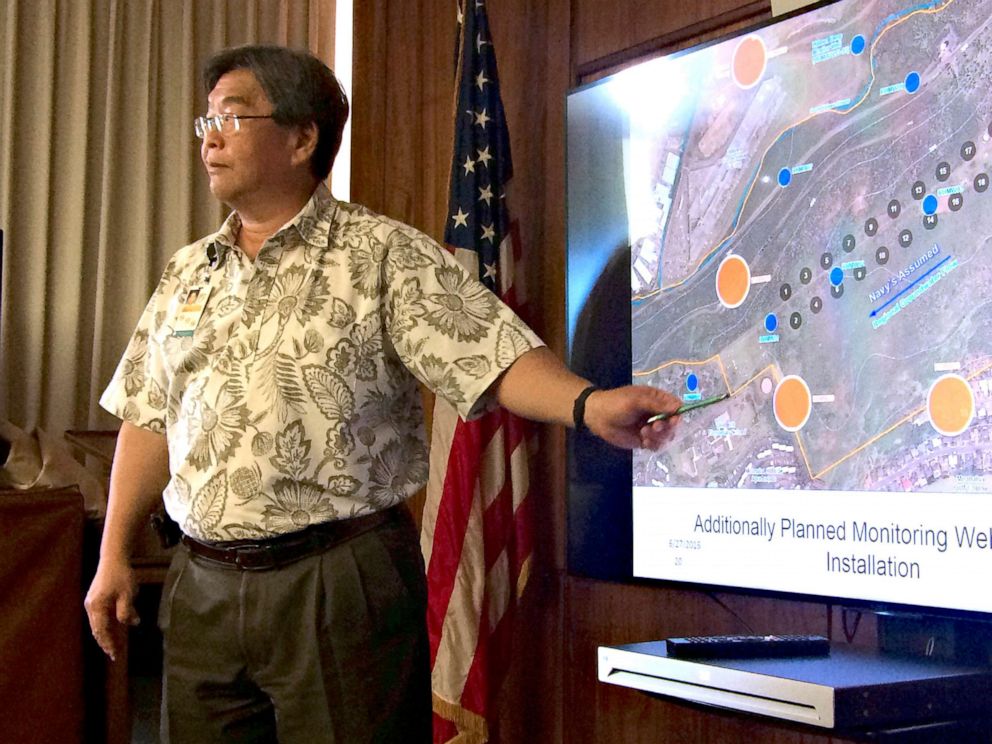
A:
<point x="705" y="30"/>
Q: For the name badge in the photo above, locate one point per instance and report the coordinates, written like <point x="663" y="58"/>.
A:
<point x="191" y="311"/>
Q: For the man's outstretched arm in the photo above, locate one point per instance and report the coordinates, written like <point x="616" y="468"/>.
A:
<point x="539" y="387"/>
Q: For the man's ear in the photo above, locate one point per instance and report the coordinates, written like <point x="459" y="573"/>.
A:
<point x="306" y="143"/>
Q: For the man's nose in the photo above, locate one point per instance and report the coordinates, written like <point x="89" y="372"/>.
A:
<point x="212" y="138"/>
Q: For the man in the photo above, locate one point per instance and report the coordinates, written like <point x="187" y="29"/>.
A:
<point x="283" y="422"/>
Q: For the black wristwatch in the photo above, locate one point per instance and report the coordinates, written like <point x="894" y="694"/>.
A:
<point x="579" y="409"/>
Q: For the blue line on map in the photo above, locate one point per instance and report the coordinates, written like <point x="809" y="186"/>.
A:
<point x="856" y="101"/>
<point x="919" y="279"/>
<point x="903" y="13"/>
<point x="725" y="243"/>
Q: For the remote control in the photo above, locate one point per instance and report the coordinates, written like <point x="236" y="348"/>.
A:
<point x="747" y="646"/>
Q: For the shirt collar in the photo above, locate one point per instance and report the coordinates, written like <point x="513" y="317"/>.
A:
<point x="223" y="240"/>
<point x="312" y="223"/>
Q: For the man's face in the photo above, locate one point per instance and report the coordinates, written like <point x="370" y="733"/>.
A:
<point x="256" y="162"/>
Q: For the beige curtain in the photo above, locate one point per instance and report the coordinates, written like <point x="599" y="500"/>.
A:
<point x="100" y="179"/>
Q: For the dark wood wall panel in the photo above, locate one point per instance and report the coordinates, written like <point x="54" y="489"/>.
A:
<point x="402" y="109"/>
<point x="402" y="140"/>
<point x="531" y="38"/>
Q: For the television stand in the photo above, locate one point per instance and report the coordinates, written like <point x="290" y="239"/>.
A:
<point x="849" y="690"/>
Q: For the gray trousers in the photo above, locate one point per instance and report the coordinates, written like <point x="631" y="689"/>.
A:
<point x="331" y="648"/>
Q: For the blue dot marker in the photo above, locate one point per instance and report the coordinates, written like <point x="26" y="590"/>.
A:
<point x="930" y="204"/>
<point x="912" y="82"/>
<point x="857" y="44"/>
<point x="784" y="177"/>
<point x="691" y="383"/>
<point x="836" y="276"/>
<point x="771" y="322"/>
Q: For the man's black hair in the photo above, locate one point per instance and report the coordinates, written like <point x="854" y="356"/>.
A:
<point x="301" y="88"/>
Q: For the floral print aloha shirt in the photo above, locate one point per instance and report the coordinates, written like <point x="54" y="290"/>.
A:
<point x="295" y="401"/>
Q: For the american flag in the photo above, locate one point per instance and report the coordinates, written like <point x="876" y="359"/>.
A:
<point x="476" y="537"/>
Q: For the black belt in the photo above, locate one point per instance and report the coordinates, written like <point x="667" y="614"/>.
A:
<point x="281" y="550"/>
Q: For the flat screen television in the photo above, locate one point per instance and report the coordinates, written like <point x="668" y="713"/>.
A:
<point x="798" y="216"/>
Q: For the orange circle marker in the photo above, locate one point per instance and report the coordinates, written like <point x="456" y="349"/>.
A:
<point x="750" y="58"/>
<point x="733" y="281"/>
<point x="792" y="403"/>
<point x="950" y="405"/>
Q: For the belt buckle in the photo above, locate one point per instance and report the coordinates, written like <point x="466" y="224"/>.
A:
<point x="254" y="556"/>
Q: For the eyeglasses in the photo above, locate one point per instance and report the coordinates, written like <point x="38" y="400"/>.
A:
<point x="223" y="123"/>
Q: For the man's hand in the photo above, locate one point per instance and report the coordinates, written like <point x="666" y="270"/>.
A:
<point x="618" y="416"/>
<point x="110" y="605"/>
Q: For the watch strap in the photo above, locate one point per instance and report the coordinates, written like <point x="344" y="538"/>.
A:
<point x="579" y="408"/>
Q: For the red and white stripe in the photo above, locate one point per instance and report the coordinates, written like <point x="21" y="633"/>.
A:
<point x="477" y="541"/>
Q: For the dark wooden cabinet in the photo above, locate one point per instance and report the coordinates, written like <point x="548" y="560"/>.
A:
<point x="41" y="617"/>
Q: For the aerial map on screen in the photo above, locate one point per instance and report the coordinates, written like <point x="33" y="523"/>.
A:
<point x="811" y="232"/>
<point x="810" y="228"/>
